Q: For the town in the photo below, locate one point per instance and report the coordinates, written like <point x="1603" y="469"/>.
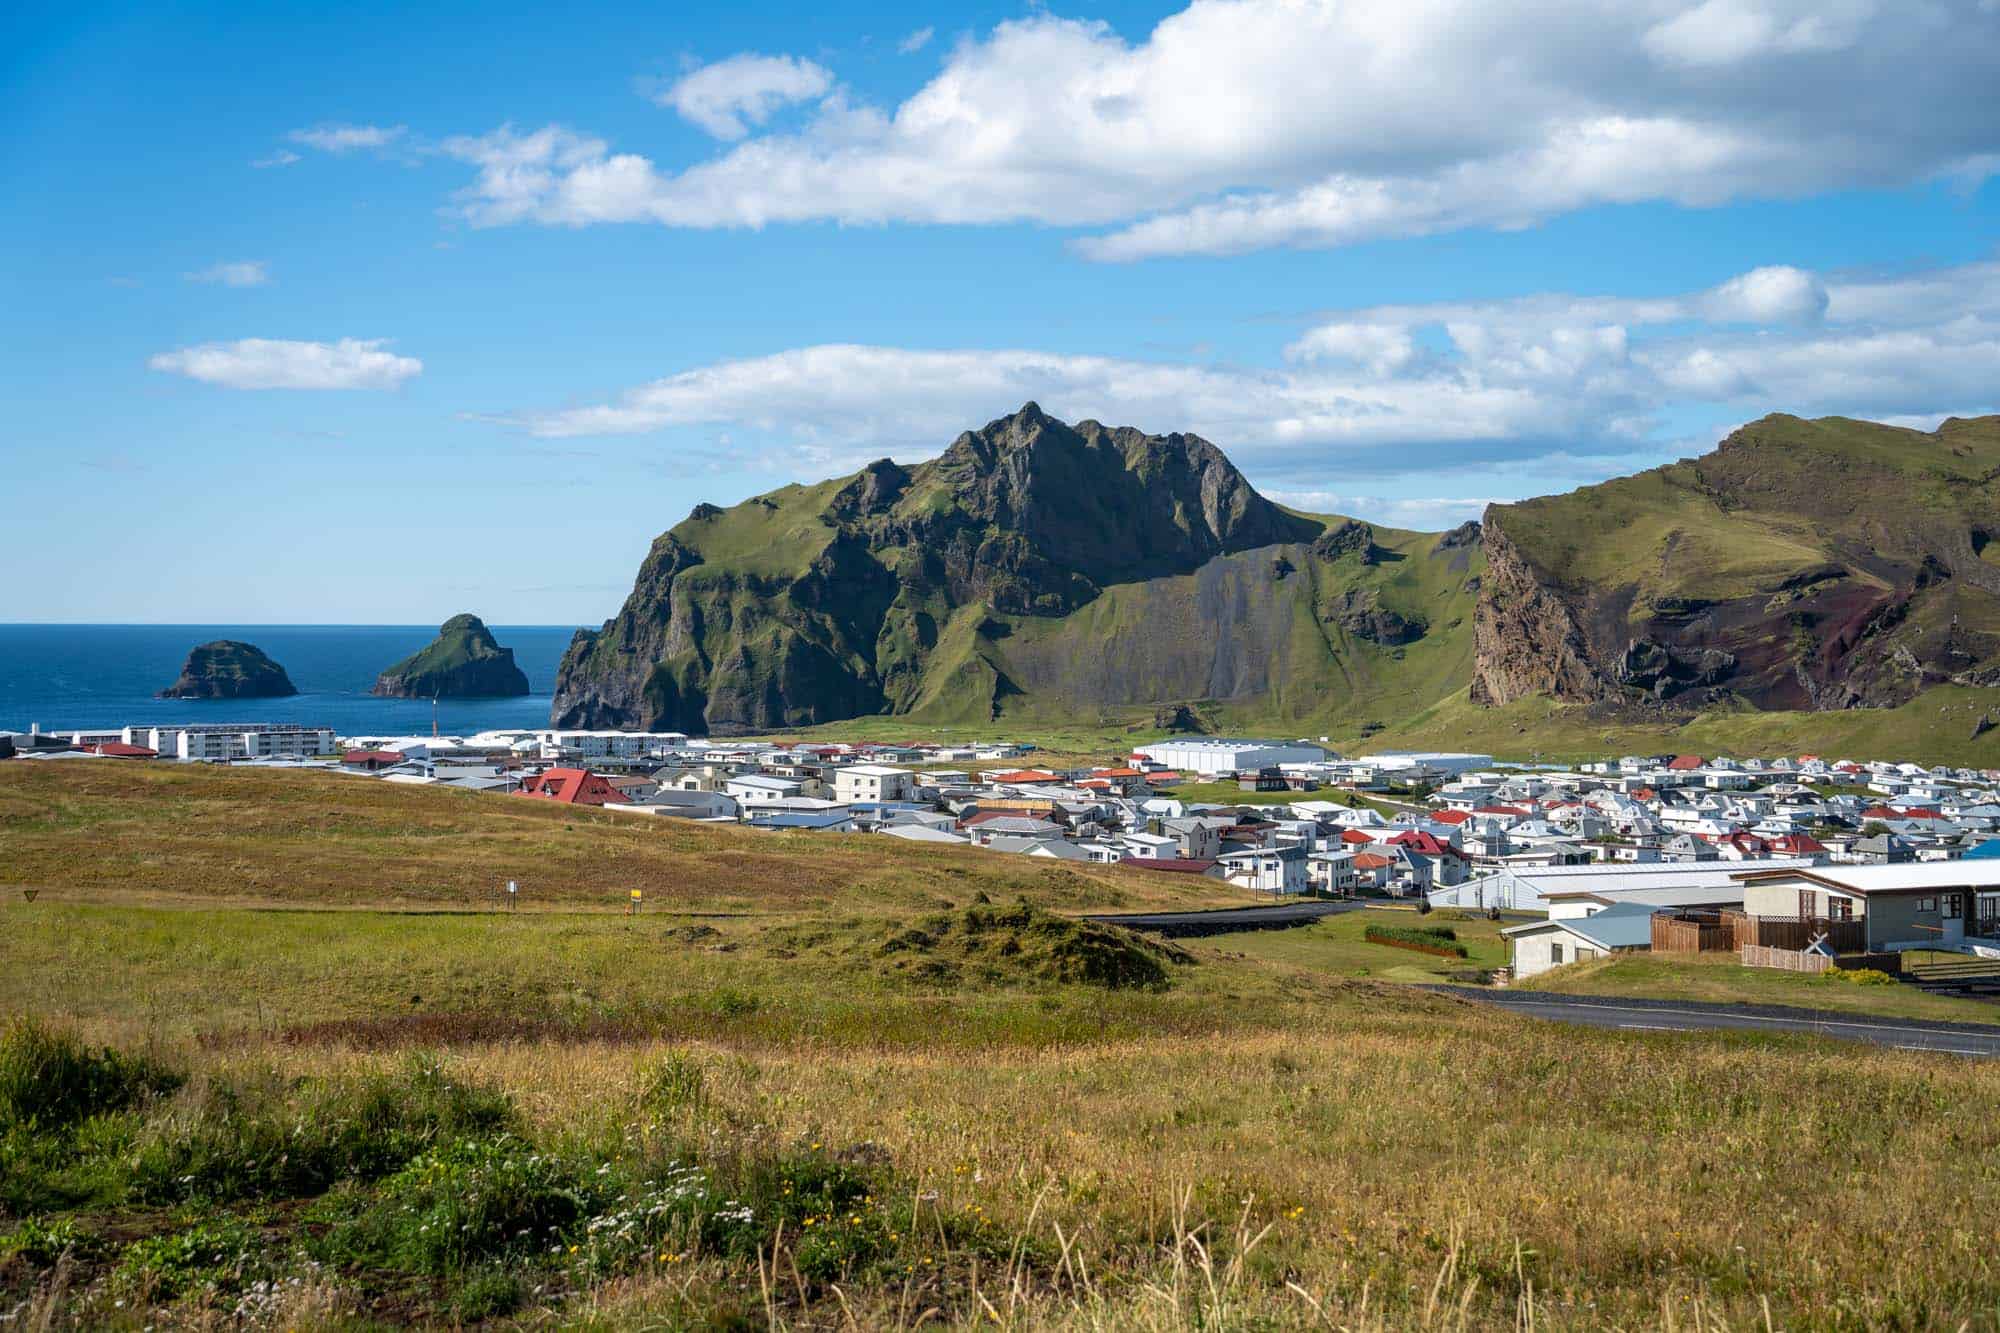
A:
<point x="1807" y="863"/>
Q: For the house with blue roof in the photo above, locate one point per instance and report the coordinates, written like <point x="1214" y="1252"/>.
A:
<point x="1541" y="945"/>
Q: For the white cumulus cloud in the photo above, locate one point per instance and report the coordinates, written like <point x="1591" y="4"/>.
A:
<point x="1533" y="388"/>
<point x="278" y="363"/>
<point x="1243" y="124"/>
<point x="916" y="41"/>
<point x="730" y="96"/>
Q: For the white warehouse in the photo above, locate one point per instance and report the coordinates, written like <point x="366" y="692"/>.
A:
<point x="1210" y="755"/>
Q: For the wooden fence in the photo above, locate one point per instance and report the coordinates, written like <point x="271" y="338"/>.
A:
<point x="1692" y="932"/>
<point x="1789" y="960"/>
<point x="1796" y="932"/>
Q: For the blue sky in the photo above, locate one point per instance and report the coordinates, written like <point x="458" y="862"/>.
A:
<point x="372" y="316"/>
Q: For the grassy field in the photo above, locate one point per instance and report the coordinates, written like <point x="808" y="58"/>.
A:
<point x="872" y="1110"/>
<point x="87" y="830"/>
<point x="1720" y="978"/>
<point x="1336" y="946"/>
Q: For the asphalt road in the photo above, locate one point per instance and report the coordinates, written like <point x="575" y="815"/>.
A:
<point x="1222" y="921"/>
<point x="1678" y="1016"/>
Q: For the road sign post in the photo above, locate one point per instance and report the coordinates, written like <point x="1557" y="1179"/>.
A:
<point x="638" y="896"/>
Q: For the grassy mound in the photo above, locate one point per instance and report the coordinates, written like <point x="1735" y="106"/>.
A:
<point x="984" y="942"/>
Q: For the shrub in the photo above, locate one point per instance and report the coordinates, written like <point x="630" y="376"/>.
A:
<point x="219" y="1253"/>
<point x="269" y="1141"/>
<point x="42" y="1242"/>
<point x="1859" y="976"/>
<point x="468" y="1202"/>
<point x="50" y="1080"/>
<point x="1439" y="940"/>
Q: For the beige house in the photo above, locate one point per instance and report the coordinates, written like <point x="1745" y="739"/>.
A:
<point x="1889" y="907"/>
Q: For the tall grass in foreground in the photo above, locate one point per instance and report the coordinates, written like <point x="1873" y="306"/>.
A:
<point x="1402" y="1175"/>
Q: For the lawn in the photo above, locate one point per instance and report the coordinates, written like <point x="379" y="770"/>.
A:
<point x="1721" y="979"/>
<point x="1335" y="946"/>
<point x="917" y="1102"/>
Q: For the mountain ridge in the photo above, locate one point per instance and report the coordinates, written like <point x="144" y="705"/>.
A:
<point x="1040" y="570"/>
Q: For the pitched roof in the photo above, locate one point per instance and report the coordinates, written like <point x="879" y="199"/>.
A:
<point x="572" y="786"/>
<point x="1684" y="763"/>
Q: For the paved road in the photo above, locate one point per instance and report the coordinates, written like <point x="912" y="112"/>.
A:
<point x="1678" y="1016"/>
<point x="1222" y="921"/>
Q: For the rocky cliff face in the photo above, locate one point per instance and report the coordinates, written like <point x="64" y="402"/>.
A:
<point x="902" y="589"/>
<point x="1802" y="565"/>
<point x="228" y="669"/>
<point x="463" y="662"/>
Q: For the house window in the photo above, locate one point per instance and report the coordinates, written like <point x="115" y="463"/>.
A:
<point x="1555" y="954"/>
<point x="1927" y="904"/>
<point x="1954" y="906"/>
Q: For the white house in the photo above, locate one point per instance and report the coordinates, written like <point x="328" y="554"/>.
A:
<point x="1541" y="945"/>
<point x="874" y="782"/>
<point x="757" y="791"/>
<point x="1278" y="870"/>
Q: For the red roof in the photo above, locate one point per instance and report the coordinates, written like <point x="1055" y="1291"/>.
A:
<point x="1116" y="773"/>
<point x="1166" y="777"/>
<point x="372" y="758"/>
<point x="1355" y="836"/>
<point x="1023" y="776"/>
<point x="1685" y="762"/>
<point x="1372" y="861"/>
<point x="1500" y="810"/>
<point x="572" y="786"/>
<point x="1797" y="844"/>
<point x="1452" y="816"/>
<point x="1425" y="844"/>
<point x="120" y="750"/>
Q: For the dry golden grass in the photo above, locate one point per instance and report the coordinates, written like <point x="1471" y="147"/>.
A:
<point x="1258" y="1145"/>
<point x="83" y="830"/>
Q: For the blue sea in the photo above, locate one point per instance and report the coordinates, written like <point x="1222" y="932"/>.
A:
<point x="69" y="676"/>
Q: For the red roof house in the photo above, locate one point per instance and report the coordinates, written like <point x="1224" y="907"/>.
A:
<point x="1685" y="763"/>
<point x="120" y="750"/>
<point x="572" y="786"/>
<point x="371" y="759"/>
<point x="1022" y="777"/>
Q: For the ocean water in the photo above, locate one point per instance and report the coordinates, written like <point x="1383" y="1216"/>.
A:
<point x="69" y="676"/>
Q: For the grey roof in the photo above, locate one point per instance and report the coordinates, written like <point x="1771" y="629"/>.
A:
<point x="1624" y="926"/>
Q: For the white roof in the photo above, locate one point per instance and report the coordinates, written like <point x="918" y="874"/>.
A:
<point x="1587" y="880"/>
<point x="872" y="770"/>
<point x="1977" y="873"/>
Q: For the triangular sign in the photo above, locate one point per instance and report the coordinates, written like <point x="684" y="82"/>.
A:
<point x="31" y="894"/>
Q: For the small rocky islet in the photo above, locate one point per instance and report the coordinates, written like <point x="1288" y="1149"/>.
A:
<point x="463" y="662"/>
<point x="229" y="669"/>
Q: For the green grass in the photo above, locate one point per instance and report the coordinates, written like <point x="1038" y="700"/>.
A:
<point x="1721" y="979"/>
<point x="873" y="1111"/>
<point x="1335" y="946"/>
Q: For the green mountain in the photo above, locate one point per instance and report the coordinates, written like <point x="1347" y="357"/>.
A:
<point x="1035" y="569"/>
<point x="228" y="669"/>
<point x="1803" y="565"/>
<point x="1041" y="572"/>
<point x="463" y="662"/>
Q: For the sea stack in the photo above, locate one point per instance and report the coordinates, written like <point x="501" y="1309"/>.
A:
<point x="226" y="669"/>
<point x="463" y="662"/>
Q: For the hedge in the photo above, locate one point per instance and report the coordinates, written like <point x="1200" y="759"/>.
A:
<point x="1439" y="940"/>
